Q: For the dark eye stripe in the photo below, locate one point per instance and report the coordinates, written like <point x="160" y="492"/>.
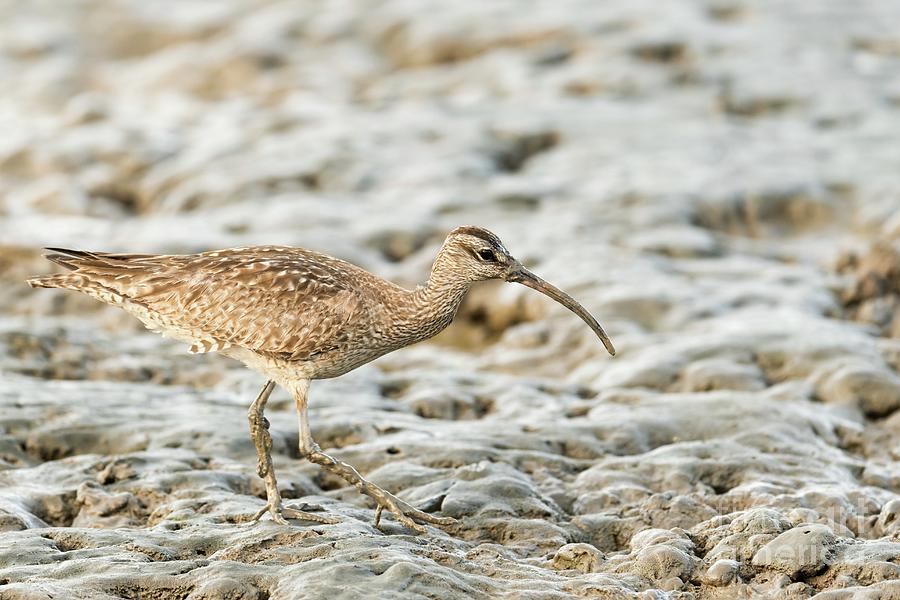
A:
<point x="487" y="254"/>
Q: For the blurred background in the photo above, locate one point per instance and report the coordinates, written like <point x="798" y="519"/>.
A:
<point x="718" y="181"/>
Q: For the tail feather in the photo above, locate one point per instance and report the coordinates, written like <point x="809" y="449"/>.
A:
<point x="63" y="280"/>
<point x="74" y="253"/>
<point x="75" y="259"/>
<point x="99" y="274"/>
<point x="65" y="258"/>
<point x="80" y="283"/>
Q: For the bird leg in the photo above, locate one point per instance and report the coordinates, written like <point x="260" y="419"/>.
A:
<point x="407" y="514"/>
<point x="259" y="431"/>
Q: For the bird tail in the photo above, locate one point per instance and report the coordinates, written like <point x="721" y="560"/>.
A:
<point x="69" y="259"/>
<point x="81" y="279"/>
<point x="51" y="281"/>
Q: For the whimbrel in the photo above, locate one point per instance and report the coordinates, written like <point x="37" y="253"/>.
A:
<point x="296" y="315"/>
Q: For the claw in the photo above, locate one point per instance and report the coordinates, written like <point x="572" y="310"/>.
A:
<point x="408" y="515"/>
<point x="279" y="519"/>
<point x="275" y="511"/>
<point x="279" y="513"/>
<point x="296" y="513"/>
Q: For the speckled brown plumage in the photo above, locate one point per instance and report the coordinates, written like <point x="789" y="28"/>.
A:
<point x="296" y="315"/>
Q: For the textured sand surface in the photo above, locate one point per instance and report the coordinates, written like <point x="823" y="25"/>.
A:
<point x="718" y="181"/>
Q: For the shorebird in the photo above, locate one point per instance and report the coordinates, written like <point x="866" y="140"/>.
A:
<point x="296" y="315"/>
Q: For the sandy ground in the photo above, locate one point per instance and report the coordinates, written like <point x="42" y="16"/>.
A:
<point x="718" y="181"/>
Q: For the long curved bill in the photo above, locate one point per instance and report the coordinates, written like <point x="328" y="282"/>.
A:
<point x="526" y="277"/>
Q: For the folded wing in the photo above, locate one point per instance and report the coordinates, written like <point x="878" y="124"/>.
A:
<point x="284" y="302"/>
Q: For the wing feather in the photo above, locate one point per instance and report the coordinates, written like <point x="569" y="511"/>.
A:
<point x="286" y="302"/>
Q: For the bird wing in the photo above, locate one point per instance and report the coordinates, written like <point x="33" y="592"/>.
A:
<point x="285" y="302"/>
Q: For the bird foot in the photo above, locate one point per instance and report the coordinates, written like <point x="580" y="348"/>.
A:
<point x="405" y="513"/>
<point x="280" y="513"/>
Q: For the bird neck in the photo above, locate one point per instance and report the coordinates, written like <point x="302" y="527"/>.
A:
<point x="445" y="289"/>
<point x="441" y="295"/>
<point x="430" y="308"/>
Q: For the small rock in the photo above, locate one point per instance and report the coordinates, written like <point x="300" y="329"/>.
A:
<point x="671" y="584"/>
<point x="722" y="572"/>
<point x="100" y="508"/>
<point x="225" y="587"/>
<point x="662" y="562"/>
<point x="580" y="557"/>
<point x="11" y="522"/>
<point x="657" y="536"/>
<point x="802" y="550"/>
<point x="889" y="518"/>
<point x="875" y="390"/>
<point x="760" y="520"/>
<point x="115" y="471"/>
<point x="23" y="591"/>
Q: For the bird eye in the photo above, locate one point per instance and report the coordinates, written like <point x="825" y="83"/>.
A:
<point x="487" y="254"/>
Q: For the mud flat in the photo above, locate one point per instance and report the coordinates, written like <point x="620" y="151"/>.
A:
<point x="717" y="181"/>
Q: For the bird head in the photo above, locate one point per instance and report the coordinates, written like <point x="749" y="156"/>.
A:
<point x="478" y="255"/>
